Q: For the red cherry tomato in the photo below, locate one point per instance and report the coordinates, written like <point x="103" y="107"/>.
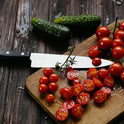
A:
<point x="68" y="104"/>
<point x="69" y="69"/>
<point x="50" y="98"/>
<point x="121" y="26"/>
<point x="43" y="80"/>
<point x="94" y="47"/>
<point x="105" y="43"/>
<point x="107" y="90"/>
<point x="119" y="34"/>
<point x="122" y="76"/>
<point x="42" y="88"/>
<point x="47" y="71"/>
<point x="62" y="114"/>
<point x="53" y="78"/>
<point x="109" y="81"/>
<point x="98" y="82"/>
<point x="92" y="72"/>
<point x="115" y="69"/>
<point x="93" y="53"/>
<point x="52" y="87"/>
<point x="88" y="85"/>
<point x="73" y="74"/>
<point x="117" y="42"/>
<point x="77" y="111"/>
<point x="76" y="89"/>
<point x="102" y="73"/>
<point x="100" y="96"/>
<point x="83" y="98"/>
<point x="96" y="61"/>
<point x="76" y="81"/>
<point x="102" y="31"/>
<point x="118" y="52"/>
<point x="66" y="93"/>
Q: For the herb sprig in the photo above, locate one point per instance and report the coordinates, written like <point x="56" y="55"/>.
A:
<point x="68" y="62"/>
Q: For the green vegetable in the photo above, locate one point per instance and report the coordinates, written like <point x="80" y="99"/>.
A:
<point x="80" y="22"/>
<point x="50" y="30"/>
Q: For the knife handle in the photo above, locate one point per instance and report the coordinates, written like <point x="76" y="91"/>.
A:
<point x="14" y="55"/>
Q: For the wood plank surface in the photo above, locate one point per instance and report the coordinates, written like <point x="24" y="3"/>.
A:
<point x="105" y="113"/>
<point x="16" y="106"/>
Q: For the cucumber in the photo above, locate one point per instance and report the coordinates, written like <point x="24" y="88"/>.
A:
<point x="50" y="30"/>
<point x="86" y="22"/>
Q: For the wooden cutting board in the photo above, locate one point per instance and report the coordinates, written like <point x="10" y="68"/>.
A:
<point x="98" y="114"/>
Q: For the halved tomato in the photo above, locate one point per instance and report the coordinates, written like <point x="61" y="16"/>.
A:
<point x="92" y="72"/>
<point x="109" y="81"/>
<point x="83" y="98"/>
<point x="77" y="111"/>
<point x="73" y="74"/>
<point x="68" y="104"/>
<point x="76" y="89"/>
<point x="62" y="114"/>
<point x="88" y="85"/>
<point x="100" y="96"/>
<point x="98" y="82"/>
<point x="107" y="90"/>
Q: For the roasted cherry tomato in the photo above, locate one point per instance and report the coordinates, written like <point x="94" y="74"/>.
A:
<point x="43" y="80"/>
<point x="62" y="114"/>
<point x="94" y="47"/>
<point x="52" y="87"/>
<point x="119" y="34"/>
<point x="50" y="98"/>
<point x="76" y="81"/>
<point x="69" y="69"/>
<point x="109" y="81"/>
<point x="122" y="76"/>
<point x="68" y="104"/>
<point x="117" y="42"/>
<point x="107" y="90"/>
<point x="93" y="53"/>
<point x="73" y="74"/>
<point x="88" y="85"/>
<point x="98" y="82"/>
<point x="115" y="69"/>
<point x="118" y="52"/>
<point x="66" y="93"/>
<point x="121" y="26"/>
<point x="53" y="78"/>
<point x="42" y="88"/>
<point x="92" y="72"/>
<point x="102" y="31"/>
<point x="100" y="96"/>
<point x="47" y="71"/>
<point x="105" y="43"/>
<point x="83" y="98"/>
<point x="77" y="111"/>
<point x="76" y="89"/>
<point x="102" y="73"/>
<point x="96" y="61"/>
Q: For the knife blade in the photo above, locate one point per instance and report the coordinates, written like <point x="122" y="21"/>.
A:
<point x="41" y="60"/>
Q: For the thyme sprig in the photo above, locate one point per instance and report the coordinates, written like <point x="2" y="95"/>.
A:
<point x="68" y="62"/>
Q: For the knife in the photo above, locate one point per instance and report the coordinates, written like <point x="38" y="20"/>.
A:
<point x="41" y="60"/>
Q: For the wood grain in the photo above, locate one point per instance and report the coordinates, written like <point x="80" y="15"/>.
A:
<point x="110" y="109"/>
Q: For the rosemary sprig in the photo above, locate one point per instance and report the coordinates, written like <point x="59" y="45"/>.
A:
<point x="69" y="61"/>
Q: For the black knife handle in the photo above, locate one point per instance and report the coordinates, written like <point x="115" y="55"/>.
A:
<point x="14" y="55"/>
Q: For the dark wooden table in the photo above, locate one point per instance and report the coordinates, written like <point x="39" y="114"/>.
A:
<point x="16" y="106"/>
